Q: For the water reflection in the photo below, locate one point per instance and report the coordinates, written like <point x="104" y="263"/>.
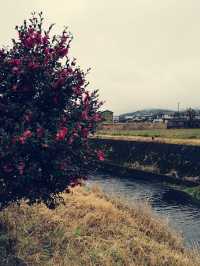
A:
<point x="183" y="213"/>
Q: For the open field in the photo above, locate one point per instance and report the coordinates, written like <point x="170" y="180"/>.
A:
<point x="161" y="133"/>
<point x="90" y="229"/>
<point x="171" y="136"/>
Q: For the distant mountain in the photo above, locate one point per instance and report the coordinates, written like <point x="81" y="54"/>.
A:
<point x="153" y="111"/>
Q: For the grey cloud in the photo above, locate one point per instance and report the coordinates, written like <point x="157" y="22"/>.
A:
<point x="143" y="53"/>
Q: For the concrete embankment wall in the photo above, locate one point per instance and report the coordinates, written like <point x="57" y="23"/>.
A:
<point x="181" y="161"/>
<point x="133" y="126"/>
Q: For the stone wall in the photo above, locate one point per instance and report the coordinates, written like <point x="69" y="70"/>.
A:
<point x="181" y="161"/>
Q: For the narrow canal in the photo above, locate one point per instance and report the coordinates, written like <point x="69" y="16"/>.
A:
<point x="181" y="211"/>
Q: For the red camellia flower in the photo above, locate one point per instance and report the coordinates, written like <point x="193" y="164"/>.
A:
<point x="100" y="155"/>
<point x="61" y="133"/>
<point x="21" y="140"/>
<point x="63" y="51"/>
<point x="29" y="42"/>
<point x="15" y="62"/>
<point x="25" y="135"/>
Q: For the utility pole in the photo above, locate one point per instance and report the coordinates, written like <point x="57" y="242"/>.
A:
<point x="178" y="107"/>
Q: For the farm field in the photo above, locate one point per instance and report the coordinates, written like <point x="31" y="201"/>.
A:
<point x="160" y="133"/>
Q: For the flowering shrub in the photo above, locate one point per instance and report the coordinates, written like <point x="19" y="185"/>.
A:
<point x="46" y="116"/>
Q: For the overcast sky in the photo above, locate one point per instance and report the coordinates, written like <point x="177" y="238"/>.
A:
<point x="143" y="53"/>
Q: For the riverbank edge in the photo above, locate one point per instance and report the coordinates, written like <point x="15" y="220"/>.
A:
<point x="161" y="140"/>
<point x="193" y="192"/>
<point x="89" y="229"/>
<point x="189" y="188"/>
<point x="109" y="166"/>
<point x="177" y="162"/>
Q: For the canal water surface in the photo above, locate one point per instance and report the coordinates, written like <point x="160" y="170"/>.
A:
<point x="181" y="211"/>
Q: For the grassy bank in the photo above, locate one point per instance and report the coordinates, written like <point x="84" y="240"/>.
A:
<point x="90" y="229"/>
<point x="194" y="192"/>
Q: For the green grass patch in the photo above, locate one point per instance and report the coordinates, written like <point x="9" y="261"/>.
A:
<point x="194" y="192"/>
<point x="162" y="133"/>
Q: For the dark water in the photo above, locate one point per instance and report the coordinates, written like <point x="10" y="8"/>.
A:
<point x="182" y="212"/>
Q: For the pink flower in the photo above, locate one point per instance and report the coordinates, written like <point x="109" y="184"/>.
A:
<point x="29" y="42"/>
<point x="15" y="62"/>
<point x="100" y="155"/>
<point x="61" y="134"/>
<point x="22" y="140"/>
<point x="27" y="134"/>
<point x="48" y="51"/>
<point x="62" y="51"/>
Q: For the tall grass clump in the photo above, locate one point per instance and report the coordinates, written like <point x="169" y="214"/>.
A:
<point x="90" y="229"/>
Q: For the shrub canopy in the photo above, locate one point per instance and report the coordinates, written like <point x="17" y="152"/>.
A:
<point x="46" y="115"/>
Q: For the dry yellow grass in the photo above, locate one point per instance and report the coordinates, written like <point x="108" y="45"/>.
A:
<point x="90" y="229"/>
